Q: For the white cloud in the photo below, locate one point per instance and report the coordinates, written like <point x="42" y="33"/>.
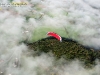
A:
<point x="75" y="14"/>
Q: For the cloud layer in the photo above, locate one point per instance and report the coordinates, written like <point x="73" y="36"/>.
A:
<point x="79" y="17"/>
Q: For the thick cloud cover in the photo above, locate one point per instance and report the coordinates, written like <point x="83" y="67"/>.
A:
<point x="79" y="17"/>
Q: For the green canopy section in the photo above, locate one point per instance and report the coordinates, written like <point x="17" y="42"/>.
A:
<point x="67" y="49"/>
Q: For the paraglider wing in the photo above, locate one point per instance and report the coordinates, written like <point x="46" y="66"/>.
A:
<point x="54" y="35"/>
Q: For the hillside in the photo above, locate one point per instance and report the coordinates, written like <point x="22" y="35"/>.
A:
<point x="67" y="49"/>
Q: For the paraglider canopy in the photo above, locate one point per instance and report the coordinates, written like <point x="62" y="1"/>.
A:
<point x="53" y="34"/>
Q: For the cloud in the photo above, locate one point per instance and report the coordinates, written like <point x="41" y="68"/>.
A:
<point x="76" y="15"/>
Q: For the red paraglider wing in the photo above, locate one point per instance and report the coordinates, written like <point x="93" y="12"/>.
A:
<point x="54" y="35"/>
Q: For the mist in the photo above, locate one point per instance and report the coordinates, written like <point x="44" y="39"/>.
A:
<point x="31" y="22"/>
